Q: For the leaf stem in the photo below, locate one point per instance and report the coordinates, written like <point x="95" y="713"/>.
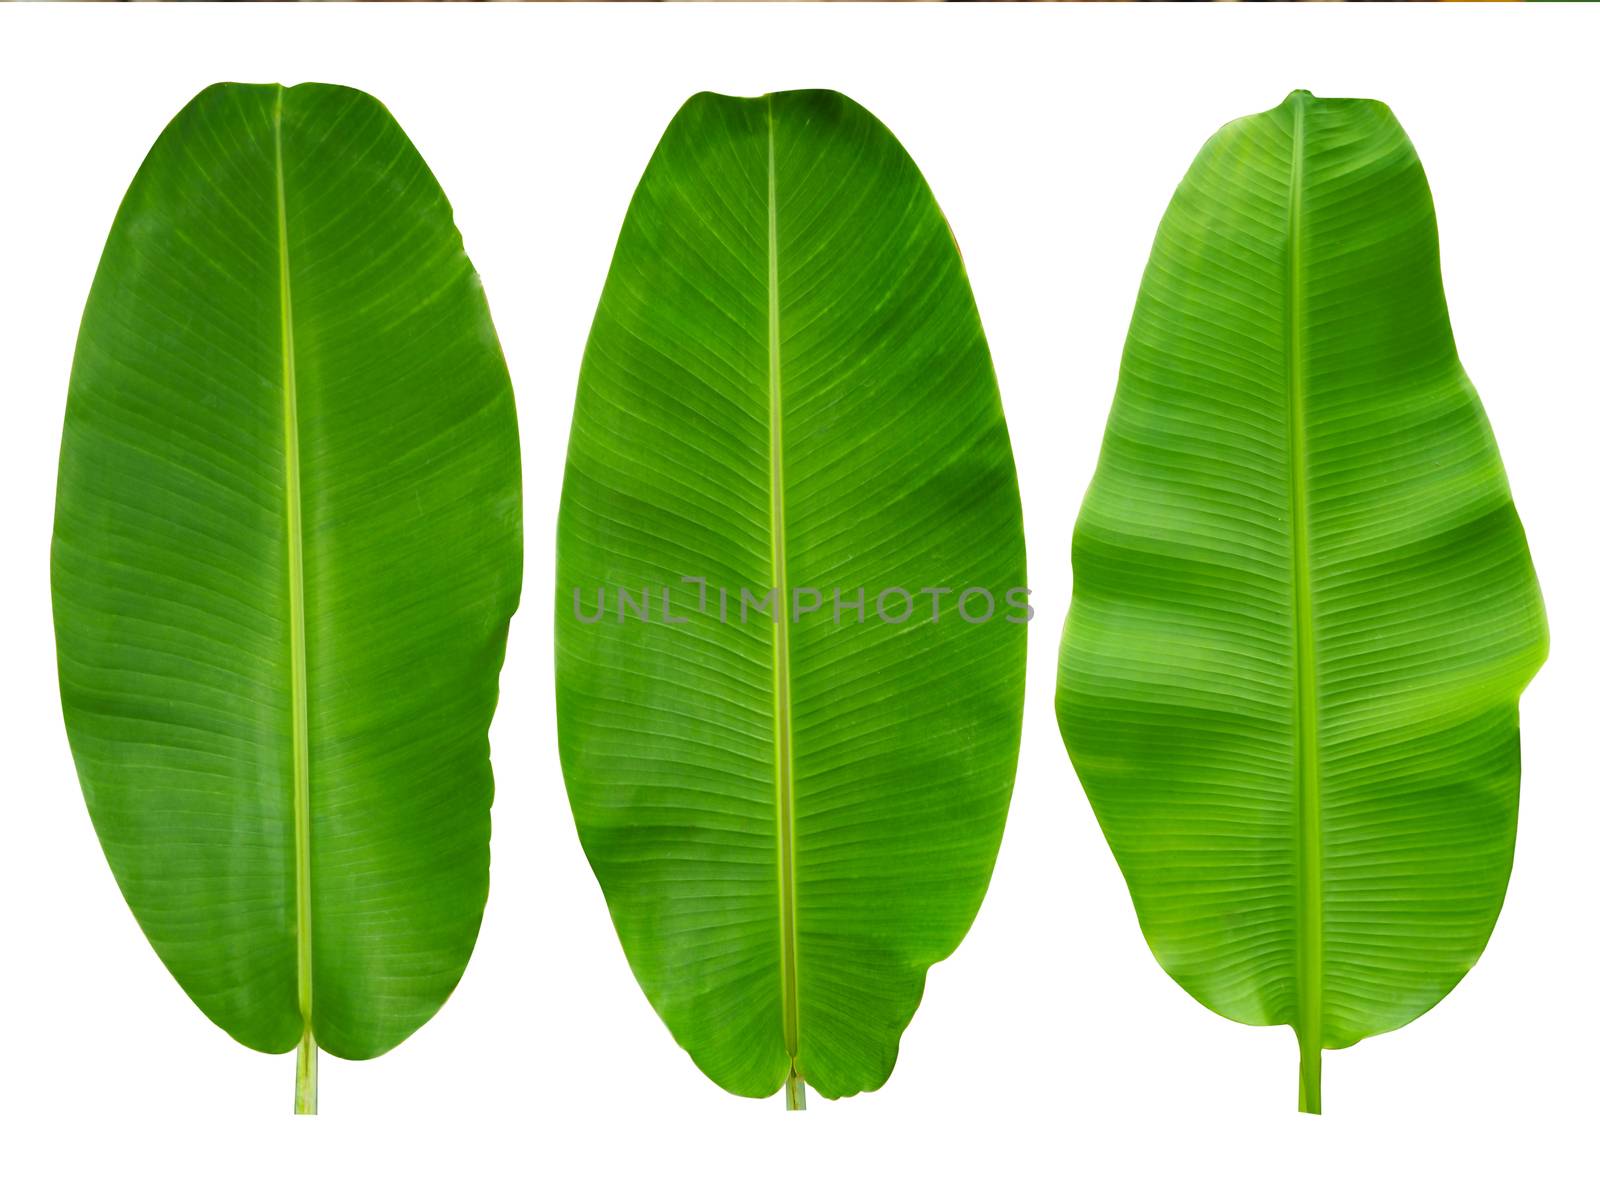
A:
<point x="794" y="1093"/>
<point x="305" y="1075"/>
<point x="1310" y="1077"/>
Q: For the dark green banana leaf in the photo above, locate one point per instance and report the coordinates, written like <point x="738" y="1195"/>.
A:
<point x="1303" y="607"/>
<point x="287" y="547"/>
<point x="787" y="393"/>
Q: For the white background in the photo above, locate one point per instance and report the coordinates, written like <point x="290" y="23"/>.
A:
<point x="1051" y="1054"/>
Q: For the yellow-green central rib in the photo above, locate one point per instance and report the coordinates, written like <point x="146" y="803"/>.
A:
<point x="1308" y="1025"/>
<point x="297" y="606"/>
<point x="784" y="766"/>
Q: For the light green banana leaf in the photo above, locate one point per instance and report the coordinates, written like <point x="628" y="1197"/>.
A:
<point x="1303" y="608"/>
<point x="287" y="546"/>
<point x="787" y="393"/>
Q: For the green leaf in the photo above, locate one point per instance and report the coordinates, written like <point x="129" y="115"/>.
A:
<point x="1303" y="608"/>
<point x="787" y="387"/>
<point x="287" y="546"/>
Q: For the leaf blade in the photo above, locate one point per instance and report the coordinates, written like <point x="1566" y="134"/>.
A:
<point x="670" y="743"/>
<point x="1178" y="687"/>
<point x="171" y="565"/>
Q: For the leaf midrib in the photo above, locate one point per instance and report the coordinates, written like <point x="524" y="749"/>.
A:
<point x="1308" y="798"/>
<point x="784" y="766"/>
<point x="297" y="609"/>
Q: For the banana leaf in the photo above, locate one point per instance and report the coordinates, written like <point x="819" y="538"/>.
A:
<point x="287" y="547"/>
<point x="1303" y="607"/>
<point x="789" y="777"/>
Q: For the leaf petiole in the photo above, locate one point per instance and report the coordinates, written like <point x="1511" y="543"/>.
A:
<point x="1310" y="1078"/>
<point x="305" y="1075"/>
